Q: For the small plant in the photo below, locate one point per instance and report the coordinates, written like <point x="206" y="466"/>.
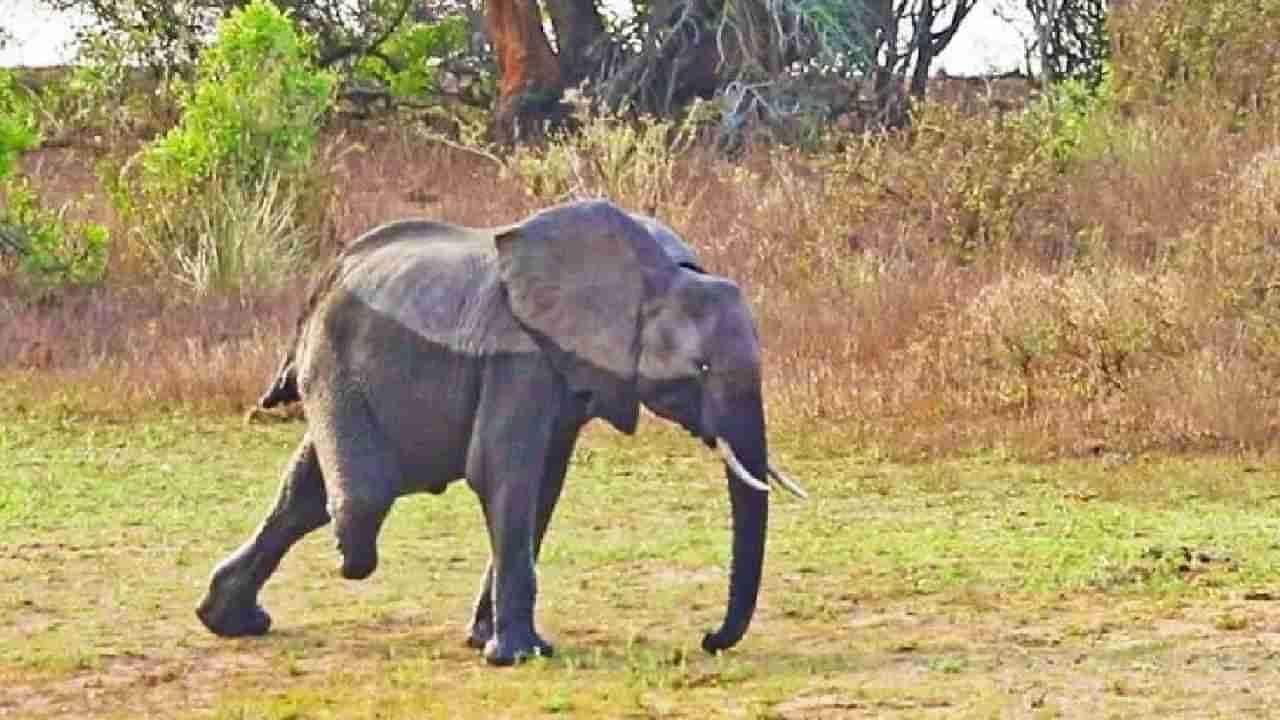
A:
<point x="1017" y="327"/>
<point x="1069" y="117"/>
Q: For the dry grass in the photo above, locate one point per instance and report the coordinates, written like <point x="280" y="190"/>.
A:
<point x="875" y="269"/>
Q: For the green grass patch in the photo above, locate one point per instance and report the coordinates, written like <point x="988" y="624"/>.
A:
<point x="973" y="587"/>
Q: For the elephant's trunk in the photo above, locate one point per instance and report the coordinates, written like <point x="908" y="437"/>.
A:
<point x="742" y="428"/>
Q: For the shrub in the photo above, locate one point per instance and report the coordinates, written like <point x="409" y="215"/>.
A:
<point x="972" y="182"/>
<point x="36" y="240"/>
<point x="50" y="250"/>
<point x="249" y="121"/>
<point x="257" y="98"/>
<point x="1069" y="116"/>
<point x="1205" y="52"/>
<point x="18" y="132"/>
<point x="632" y="162"/>
<point x="1079" y="335"/>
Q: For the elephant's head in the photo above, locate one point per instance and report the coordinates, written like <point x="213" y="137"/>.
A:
<point x="630" y="319"/>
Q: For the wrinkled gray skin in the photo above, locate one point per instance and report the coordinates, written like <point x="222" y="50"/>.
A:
<point x="433" y="353"/>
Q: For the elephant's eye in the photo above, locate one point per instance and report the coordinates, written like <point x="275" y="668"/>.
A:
<point x="704" y="368"/>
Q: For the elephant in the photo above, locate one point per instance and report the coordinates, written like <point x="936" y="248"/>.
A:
<point x="430" y="353"/>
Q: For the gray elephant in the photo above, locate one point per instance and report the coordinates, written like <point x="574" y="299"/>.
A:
<point x="431" y="353"/>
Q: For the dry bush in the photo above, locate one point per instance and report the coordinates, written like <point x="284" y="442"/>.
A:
<point x="1041" y="281"/>
<point x="120" y="351"/>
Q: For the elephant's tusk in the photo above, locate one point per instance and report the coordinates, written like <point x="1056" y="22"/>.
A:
<point x="789" y="484"/>
<point x="726" y="452"/>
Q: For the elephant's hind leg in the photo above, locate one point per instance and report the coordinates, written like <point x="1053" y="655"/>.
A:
<point x="230" y="608"/>
<point x="362" y="477"/>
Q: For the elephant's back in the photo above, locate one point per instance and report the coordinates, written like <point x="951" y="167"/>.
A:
<point x="437" y="281"/>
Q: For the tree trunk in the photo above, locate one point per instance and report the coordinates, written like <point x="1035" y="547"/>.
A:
<point x="924" y="50"/>
<point x="578" y="29"/>
<point x="529" y="80"/>
<point x="887" y="68"/>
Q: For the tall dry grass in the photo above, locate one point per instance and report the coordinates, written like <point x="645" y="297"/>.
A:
<point x="952" y="288"/>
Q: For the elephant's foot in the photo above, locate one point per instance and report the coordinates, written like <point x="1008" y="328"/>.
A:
<point x="358" y="544"/>
<point x="479" y="634"/>
<point x="510" y="648"/>
<point x="233" y="619"/>
<point x="358" y="563"/>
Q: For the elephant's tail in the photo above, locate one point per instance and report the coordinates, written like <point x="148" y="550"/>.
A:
<point x="285" y="388"/>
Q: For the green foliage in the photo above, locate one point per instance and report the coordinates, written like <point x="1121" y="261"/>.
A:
<point x="38" y="240"/>
<point x="18" y="132"/>
<point x="50" y="250"/>
<point x="1069" y="116"/>
<point x="407" y="61"/>
<point x="257" y="96"/>
<point x="250" y="122"/>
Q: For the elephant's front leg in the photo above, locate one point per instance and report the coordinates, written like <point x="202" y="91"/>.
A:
<point x="518" y="414"/>
<point x="510" y="515"/>
<point x="557" y="463"/>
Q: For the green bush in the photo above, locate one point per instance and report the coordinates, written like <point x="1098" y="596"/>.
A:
<point x="250" y="120"/>
<point x="409" y="58"/>
<point x="1070" y="116"/>
<point x="35" y="240"/>
<point x="50" y="251"/>
<point x="18" y="132"/>
<point x="257" y="96"/>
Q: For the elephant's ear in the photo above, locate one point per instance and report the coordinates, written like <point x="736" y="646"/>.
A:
<point x="577" y="276"/>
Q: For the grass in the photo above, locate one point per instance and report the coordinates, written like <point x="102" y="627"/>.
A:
<point x="938" y="309"/>
<point x="975" y="586"/>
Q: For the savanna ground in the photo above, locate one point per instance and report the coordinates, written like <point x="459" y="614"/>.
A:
<point x="1025" y="357"/>
<point x="976" y="586"/>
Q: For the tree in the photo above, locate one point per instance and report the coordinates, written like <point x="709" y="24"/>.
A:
<point x="531" y="75"/>
<point x="167" y="34"/>
<point x="910" y="34"/>
<point x="1068" y="38"/>
<point x="672" y="51"/>
<point x="1071" y="38"/>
